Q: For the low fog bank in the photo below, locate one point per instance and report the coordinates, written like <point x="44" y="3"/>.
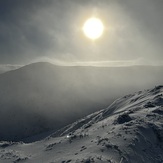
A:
<point x="4" y="68"/>
<point x="40" y="97"/>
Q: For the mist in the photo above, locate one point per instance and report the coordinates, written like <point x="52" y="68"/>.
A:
<point x="42" y="97"/>
<point x="85" y="75"/>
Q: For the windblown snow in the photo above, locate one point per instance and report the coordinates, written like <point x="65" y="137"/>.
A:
<point x="128" y="131"/>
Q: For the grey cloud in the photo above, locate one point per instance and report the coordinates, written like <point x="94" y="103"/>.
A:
<point x="147" y="15"/>
<point x="39" y="28"/>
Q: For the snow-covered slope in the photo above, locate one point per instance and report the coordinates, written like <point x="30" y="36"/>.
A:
<point x="128" y="131"/>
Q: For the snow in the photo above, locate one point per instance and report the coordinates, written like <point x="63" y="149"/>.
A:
<point x="129" y="130"/>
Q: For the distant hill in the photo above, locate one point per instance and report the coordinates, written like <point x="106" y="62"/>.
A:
<point x="41" y="96"/>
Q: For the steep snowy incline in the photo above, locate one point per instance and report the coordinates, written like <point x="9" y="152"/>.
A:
<point x="128" y="131"/>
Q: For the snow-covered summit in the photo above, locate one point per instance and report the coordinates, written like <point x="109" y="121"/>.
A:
<point x="128" y="131"/>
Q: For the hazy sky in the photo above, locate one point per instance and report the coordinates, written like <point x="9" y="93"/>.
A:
<point x="34" y="30"/>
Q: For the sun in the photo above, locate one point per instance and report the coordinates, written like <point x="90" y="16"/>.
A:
<point x="93" y="28"/>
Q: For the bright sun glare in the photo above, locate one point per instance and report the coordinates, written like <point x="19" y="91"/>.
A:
<point x="93" y="28"/>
